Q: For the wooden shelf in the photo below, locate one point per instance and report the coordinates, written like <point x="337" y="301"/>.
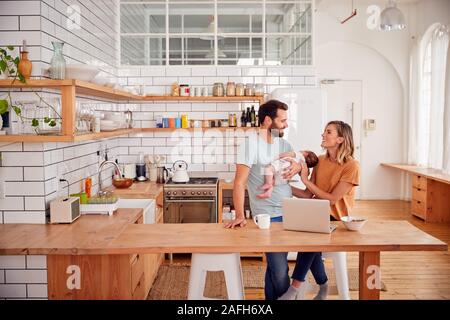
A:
<point x="195" y="129"/>
<point x="259" y="99"/>
<point x="71" y="88"/>
<point x="81" y="87"/>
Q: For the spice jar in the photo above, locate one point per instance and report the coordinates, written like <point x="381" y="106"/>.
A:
<point x="175" y="89"/>
<point x="184" y="90"/>
<point x="240" y="89"/>
<point x="249" y="90"/>
<point x="259" y="89"/>
<point x="231" y="89"/>
<point x="218" y="89"/>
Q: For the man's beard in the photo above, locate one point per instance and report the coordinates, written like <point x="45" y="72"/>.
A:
<point x="276" y="132"/>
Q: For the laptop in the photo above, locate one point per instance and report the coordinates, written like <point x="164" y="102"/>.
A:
<point x="310" y="215"/>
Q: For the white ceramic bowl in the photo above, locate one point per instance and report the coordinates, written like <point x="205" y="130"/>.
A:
<point x="102" y="81"/>
<point x="81" y="72"/>
<point x="353" y="223"/>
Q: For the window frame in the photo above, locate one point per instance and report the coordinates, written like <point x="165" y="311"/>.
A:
<point x="216" y="37"/>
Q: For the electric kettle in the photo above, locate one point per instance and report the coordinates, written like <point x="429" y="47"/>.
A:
<point x="178" y="173"/>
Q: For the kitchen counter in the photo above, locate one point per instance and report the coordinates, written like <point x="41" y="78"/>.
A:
<point x="88" y="231"/>
<point x="139" y="190"/>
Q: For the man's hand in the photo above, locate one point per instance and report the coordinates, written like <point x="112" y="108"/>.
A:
<point x="293" y="169"/>
<point x="238" y="222"/>
<point x="290" y="154"/>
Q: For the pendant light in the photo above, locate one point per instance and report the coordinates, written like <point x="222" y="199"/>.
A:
<point x="391" y="18"/>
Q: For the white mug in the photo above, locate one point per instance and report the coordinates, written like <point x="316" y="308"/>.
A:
<point x="262" y="221"/>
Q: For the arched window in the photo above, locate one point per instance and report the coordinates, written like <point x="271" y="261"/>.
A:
<point x="431" y="96"/>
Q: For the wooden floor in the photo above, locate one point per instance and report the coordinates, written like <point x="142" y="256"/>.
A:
<point x="407" y="275"/>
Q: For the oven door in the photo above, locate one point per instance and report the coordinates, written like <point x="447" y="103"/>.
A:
<point x="190" y="211"/>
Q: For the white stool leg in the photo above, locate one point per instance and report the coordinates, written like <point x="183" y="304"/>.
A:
<point x="340" y="270"/>
<point x="197" y="279"/>
<point x="230" y="263"/>
<point x="233" y="277"/>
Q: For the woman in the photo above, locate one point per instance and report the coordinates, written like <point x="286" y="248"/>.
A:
<point x="334" y="178"/>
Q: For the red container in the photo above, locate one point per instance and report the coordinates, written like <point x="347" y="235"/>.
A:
<point x="171" y="122"/>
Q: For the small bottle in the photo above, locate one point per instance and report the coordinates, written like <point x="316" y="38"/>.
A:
<point x="257" y="121"/>
<point x="253" y="117"/>
<point x="243" y="119"/>
<point x="248" y="117"/>
<point x="88" y="186"/>
<point x="96" y="125"/>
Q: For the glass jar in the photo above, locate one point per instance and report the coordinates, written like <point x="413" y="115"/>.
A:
<point x="259" y="89"/>
<point x="224" y="123"/>
<point x="218" y="90"/>
<point x="184" y="90"/>
<point x="249" y="89"/>
<point x="58" y="63"/>
<point x="231" y="89"/>
<point x="240" y="91"/>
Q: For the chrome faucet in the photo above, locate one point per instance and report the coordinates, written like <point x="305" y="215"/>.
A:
<point x="100" y="191"/>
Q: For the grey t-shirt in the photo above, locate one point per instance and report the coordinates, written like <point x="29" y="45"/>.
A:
<point x="256" y="153"/>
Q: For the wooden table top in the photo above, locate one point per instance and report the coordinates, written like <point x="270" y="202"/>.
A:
<point x="93" y="236"/>
<point x="434" y="174"/>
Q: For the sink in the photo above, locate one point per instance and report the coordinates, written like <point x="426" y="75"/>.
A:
<point x="147" y="205"/>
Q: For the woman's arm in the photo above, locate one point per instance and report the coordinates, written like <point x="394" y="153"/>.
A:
<point x="337" y="193"/>
<point x="304" y="193"/>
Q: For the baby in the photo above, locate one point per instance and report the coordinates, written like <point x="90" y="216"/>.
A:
<point x="273" y="173"/>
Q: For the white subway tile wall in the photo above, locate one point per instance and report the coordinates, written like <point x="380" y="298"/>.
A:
<point x="32" y="170"/>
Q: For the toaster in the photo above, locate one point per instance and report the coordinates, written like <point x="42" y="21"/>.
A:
<point x="64" y="210"/>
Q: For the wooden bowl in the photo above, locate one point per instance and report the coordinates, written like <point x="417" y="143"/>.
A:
<point x="122" y="183"/>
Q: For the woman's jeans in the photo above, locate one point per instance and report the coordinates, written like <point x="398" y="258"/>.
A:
<point x="277" y="273"/>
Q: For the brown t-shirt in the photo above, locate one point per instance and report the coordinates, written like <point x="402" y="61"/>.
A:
<point x="329" y="174"/>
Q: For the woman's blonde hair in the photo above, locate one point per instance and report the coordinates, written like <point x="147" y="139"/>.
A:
<point x="346" y="148"/>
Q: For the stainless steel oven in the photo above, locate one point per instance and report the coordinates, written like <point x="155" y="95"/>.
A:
<point x="191" y="202"/>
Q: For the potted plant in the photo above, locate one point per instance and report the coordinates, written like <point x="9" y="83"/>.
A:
<point x="9" y="69"/>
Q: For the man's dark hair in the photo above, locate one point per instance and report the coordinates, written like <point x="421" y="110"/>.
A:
<point x="270" y="109"/>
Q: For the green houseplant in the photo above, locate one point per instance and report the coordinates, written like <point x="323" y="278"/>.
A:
<point x="9" y="68"/>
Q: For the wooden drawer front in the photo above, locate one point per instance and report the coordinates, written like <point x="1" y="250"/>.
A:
<point x="419" y="195"/>
<point x="137" y="270"/>
<point x="139" y="291"/>
<point x="418" y="208"/>
<point x="420" y="182"/>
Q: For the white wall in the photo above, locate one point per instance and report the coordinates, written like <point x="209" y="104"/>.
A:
<point x="381" y="100"/>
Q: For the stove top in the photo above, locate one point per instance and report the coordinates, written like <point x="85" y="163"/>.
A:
<point x="194" y="181"/>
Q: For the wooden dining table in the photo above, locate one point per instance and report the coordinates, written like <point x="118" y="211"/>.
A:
<point x="373" y="238"/>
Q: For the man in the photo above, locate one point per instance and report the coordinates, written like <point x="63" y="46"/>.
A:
<point x="253" y="156"/>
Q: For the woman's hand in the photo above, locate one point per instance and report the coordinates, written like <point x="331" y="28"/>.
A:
<point x="304" y="174"/>
<point x="292" y="170"/>
<point x="238" y="222"/>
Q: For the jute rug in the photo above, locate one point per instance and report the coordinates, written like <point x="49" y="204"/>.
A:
<point x="171" y="283"/>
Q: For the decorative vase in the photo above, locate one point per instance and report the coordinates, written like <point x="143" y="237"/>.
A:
<point x="58" y="63"/>
<point x="25" y="66"/>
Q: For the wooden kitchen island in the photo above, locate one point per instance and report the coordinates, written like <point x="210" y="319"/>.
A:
<point x="119" y="238"/>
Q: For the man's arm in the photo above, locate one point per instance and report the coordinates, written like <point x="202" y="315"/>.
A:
<point x="240" y="181"/>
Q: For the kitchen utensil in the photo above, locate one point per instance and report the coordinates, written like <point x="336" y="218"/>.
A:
<point x="130" y="171"/>
<point x="161" y="174"/>
<point x="178" y="173"/>
<point x="141" y="172"/>
<point x="122" y="183"/>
